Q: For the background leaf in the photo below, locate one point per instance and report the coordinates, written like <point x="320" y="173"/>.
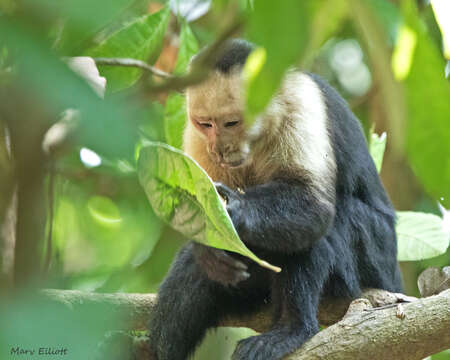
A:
<point x="183" y="195"/>
<point x="141" y="39"/>
<point x="175" y="115"/>
<point x="81" y="19"/>
<point x="428" y="98"/>
<point x="188" y="48"/>
<point x="420" y="236"/>
<point x="270" y="22"/>
<point x="377" y="145"/>
<point x="175" y="118"/>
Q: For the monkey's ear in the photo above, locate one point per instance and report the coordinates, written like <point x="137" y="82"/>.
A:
<point x="228" y="194"/>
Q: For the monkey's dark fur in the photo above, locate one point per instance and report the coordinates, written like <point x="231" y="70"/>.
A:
<point x="323" y="250"/>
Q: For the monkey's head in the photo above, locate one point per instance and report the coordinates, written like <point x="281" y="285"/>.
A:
<point x="215" y="107"/>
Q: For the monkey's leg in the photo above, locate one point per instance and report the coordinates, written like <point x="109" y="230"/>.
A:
<point x="295" y="293"/>
<point x="188" y="304"/>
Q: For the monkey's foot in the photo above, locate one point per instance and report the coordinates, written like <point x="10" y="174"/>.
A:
<point x="273" y="345"/>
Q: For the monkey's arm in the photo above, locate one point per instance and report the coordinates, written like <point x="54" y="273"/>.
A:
<point x="279" y="216"/>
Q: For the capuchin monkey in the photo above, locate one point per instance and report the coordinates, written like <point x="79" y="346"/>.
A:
<point x="303" y="193"/>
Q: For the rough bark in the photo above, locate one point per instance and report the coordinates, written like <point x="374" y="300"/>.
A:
<point x="404" y="332"/>
<point x="138" y="307"/>
<point x="395" y="331"/>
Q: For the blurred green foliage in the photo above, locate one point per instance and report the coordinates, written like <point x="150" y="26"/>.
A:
<point x="428" y="130"/>
<point x="105" y="235"/>
<point x="31" y="324"/>
<point x="269" y="22"/>
<point x="141" y="39"/>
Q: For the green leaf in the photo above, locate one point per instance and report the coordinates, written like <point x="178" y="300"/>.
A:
<point x="183" y="195"/>
<point x="175" y="117"/>
<point x="188" y="48"/>
<point x="141" y="39"/>
<point x="445" y="355"/>
<point x="427" y="95"/>
<point x="104" y="211"/>
<point x="377" y="145"/>
<point x="420" y="236"/>
<point x="152" y="128"/>
<point x="282" y="29"/>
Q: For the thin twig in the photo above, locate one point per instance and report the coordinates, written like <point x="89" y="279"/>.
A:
<point x="203" y="63"/>
<point x="128" y="62"/>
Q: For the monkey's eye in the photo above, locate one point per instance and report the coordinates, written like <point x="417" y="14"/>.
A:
<point x="205" y="124"/>
<point x="231" y="123"/>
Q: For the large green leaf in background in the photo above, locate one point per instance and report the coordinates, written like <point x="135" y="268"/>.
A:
<point x="183" y="195"/>
<point x="141" y="39"/>
<point x="428" y="98"/>
<point x="420" y="236"/>
<point x="282" y="29"/>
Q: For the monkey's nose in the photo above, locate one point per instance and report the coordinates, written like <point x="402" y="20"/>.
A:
<point x="228" y="148"/>
<point x="217" y="154"/>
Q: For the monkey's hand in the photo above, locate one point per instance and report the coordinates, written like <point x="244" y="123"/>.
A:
<point x="219" y="265"/>
<point x="234" y="203"/>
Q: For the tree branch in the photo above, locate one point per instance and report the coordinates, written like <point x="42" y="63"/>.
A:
<point x="405" y="331"/>
<point x="198" y="72"/>
<point x="138" y="307"/>
<point x="127" y="62"/>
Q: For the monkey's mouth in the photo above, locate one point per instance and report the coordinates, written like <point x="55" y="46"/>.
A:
<point x="230" y="160"/>
<point x="233" y="164"/>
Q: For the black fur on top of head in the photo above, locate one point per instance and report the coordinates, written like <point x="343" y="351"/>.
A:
<point x="234" y="53"/>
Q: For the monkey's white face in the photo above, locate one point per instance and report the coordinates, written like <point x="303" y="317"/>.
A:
<point x="215" y="110"/>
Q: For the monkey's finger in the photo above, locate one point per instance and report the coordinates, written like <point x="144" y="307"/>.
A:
<point x="225" y="191"/>
<point x="240" y="276"/>
<point x="223" y="257"/>
<point x="225" y="274"/>
<point x="231" y="275"/>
